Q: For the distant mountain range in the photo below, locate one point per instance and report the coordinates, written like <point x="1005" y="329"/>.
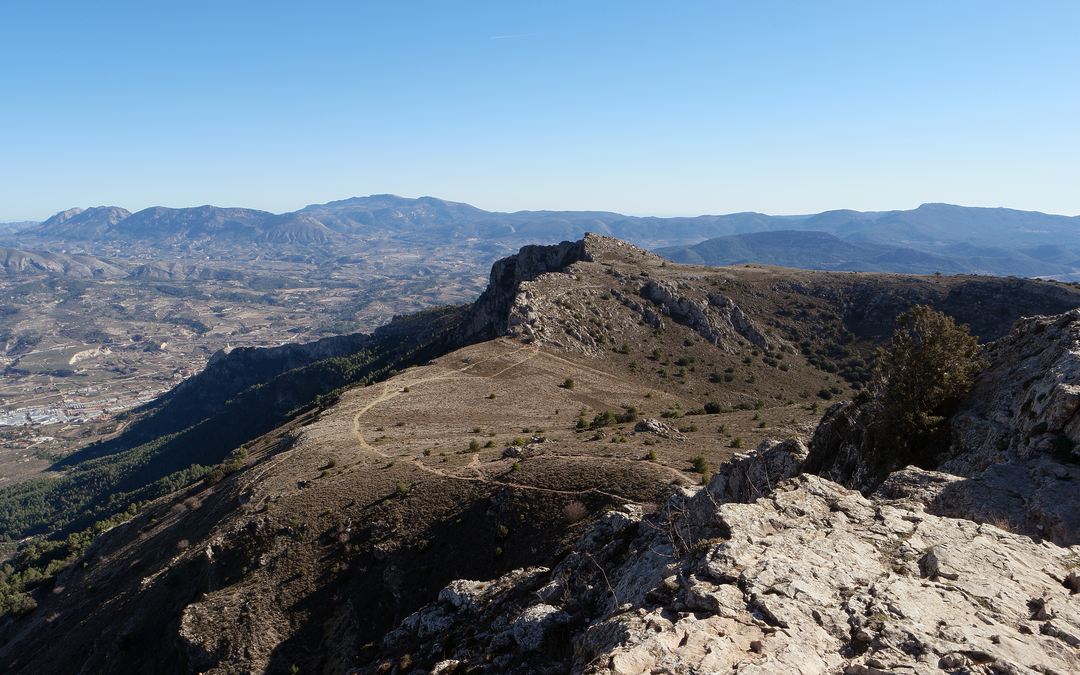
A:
<point x="932" y="237"/>
<point x="377" y="216"/>
<point x="6" y="228"/>
<point x="809" y="249"/>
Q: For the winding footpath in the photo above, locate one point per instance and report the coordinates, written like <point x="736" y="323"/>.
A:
<point x="390" y="392"/>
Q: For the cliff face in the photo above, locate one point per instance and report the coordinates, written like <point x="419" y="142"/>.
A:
<point x="714" y="317"/>
<point x="490" y="315"/>
<point x="1016" y="441"/>
<point x="972" y="568"/>
<point x="1013" y="459"/>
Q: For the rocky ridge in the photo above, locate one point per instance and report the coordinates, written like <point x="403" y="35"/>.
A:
<point x="772" y="570"/>
<point x="504" y="303"/>
<point x="536" y="304"/>
<point x="317" y="511"/>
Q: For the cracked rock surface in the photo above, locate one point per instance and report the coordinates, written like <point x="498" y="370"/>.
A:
<point x="971" y="569"/>
<point x="812" y="578"/>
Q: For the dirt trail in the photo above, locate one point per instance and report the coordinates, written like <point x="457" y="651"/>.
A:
<point x="387" y="394"/>
<point x="399" y="385"/>
<point x="391" y="389"/>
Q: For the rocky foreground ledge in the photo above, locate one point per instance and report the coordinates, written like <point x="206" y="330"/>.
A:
<point x="772" y="570"/>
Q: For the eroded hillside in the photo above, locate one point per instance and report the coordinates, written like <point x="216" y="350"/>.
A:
<point x="589" y="376"/>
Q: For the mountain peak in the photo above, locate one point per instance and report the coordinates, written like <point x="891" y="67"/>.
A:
<point x="82" y="223"/>
<point x="381" y="201"/>
<point x="62" y="216"/>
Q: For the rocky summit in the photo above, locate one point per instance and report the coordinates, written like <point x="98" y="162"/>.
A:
<point x="770" y="569"/>
<point x="558" y="477"/>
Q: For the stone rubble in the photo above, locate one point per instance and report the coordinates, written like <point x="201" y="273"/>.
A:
<point x="653" y="426"/>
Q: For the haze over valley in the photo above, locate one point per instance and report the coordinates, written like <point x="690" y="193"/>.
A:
<point x="105" y="309"/>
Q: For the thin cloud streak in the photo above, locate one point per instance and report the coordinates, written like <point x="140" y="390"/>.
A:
<point x="511" y="36"/>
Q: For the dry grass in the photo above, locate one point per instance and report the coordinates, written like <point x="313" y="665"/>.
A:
<point x="575" y="511"/>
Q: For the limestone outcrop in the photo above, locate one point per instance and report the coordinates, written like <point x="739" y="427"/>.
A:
<point x="811" y="578"/>
<point x="971" y="568"/>
<point x="1013" y="457"/>
<point x="716" y="317"/>
<point x="502" y="304"/>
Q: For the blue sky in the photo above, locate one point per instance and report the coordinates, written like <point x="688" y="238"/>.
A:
<point x="642" y="107"/>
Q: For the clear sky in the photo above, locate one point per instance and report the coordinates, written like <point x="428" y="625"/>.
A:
<point x="641" y="107"/>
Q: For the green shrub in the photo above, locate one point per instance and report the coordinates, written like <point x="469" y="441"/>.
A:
<point x="701" y="466"/>
<point x="928" y="366"/>
<point x="603" y="419"/>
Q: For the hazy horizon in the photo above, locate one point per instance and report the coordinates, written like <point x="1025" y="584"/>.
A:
<point x="534" y="209"/>
<point x="704" y="108"/>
